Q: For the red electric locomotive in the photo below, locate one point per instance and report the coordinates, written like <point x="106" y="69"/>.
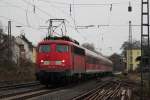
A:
<point x="60" y="59"/>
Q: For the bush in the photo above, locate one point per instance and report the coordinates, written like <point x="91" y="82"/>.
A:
<point x="23" y="72"/>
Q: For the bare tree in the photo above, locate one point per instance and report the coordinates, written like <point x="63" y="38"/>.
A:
<point x="89" y="46"/>
<point x="136" y="44"/>
<point x="3" y="46"/>
<point x="117" y="62"/>
<point x="1" y="31"/>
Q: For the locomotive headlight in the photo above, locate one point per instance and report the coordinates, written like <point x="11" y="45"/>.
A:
<point x="63" y="61"/>
<point x="42" y="61"/>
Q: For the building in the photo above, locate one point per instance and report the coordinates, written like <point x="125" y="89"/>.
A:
<point x="22" y="49"/>
<point x="16" y="49"/>
<point x="131" y="62"/>
<point x="34" y="55"/>
<point x="3" y="48"/>
<point x="118" y="65"/>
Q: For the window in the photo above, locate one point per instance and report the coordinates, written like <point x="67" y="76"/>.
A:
<point x="79" y="51"/>
<point x="21" y="46"/>
<point x="44" y="48"/>
<point x="62" y="48"/>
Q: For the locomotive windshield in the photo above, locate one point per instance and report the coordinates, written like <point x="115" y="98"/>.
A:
<point x="44" y="48"/>
<point x="62" y="48"/>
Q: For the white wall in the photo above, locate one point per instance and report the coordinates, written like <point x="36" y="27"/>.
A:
<point x="17" y="52"/>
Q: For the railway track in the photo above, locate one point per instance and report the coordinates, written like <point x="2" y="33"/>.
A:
<point x="33" y="93"/>
<point x="21" y="85"/>
<point x="17" y="89"/>
<point x="30" y="94"/>
<point x="27" y="91"/>
<point x="110" y="90"/>
<point x="5" y="82"/>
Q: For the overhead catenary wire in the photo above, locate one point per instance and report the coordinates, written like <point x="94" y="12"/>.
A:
<point x="21" y="7"/>
<point x="20" y="24"/>
<point x="41" y="10"/>
<point x="77" y="30"/>
<point x="65" y="13"/>
<point x="87" y="4"/>
<point x="68" y="16"/>
<point x="12" y="5"/>
<point x="27" y="20"/>
<point x="68" y="3"/>
<point x="57" y="7"/>
<point x="73" y="4"/>
<point x="55" y="2"/>
<point x="107" y="25"/>
<point x="72" y="17"/>
<point x="26" y="14"/>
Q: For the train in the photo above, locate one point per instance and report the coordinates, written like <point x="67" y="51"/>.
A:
<point x="61" y="59"/>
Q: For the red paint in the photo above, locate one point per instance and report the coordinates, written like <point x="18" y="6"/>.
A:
<point x="70" y="61"/>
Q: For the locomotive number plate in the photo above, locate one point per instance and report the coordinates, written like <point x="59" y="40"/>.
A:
<point x="58" y="62"/>
<point x="46" y="62"/>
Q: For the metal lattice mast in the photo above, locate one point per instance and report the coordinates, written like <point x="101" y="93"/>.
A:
<point x="144" y="36"/>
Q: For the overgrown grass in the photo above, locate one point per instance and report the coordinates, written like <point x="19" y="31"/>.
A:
<point x="12" y="72"/>
<point x="146" y="85"/>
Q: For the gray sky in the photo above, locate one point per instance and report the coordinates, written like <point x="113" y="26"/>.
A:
<point x="108" y="39"/>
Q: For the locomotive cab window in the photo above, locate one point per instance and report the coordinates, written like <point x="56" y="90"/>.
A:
<point x="62" y="48"/>
<point x="44" y="48"/>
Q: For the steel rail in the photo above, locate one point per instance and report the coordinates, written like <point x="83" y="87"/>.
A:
<point x="84" y="95"/>
<point x="21" y="85"/>
<point x="111" y="90"/>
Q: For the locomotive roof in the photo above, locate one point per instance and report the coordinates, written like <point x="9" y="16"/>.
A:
<point x="55" y="41"/>
<point x="88" y="52"/>
<point x="60" y="42"/>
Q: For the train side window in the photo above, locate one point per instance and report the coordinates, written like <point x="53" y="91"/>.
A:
<point x="88" y="59"/>
<point x="44" y="48"/>
<point x="78" y="51"/>
<point x="62" y="48"/>
<point x="97" y="62"/>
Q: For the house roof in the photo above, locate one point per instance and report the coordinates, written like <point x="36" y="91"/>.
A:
<point x="26" y="40"/>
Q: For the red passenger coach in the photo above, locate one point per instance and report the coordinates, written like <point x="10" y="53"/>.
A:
<point x="61" y="59"/>
<point x="96" y="63"/>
